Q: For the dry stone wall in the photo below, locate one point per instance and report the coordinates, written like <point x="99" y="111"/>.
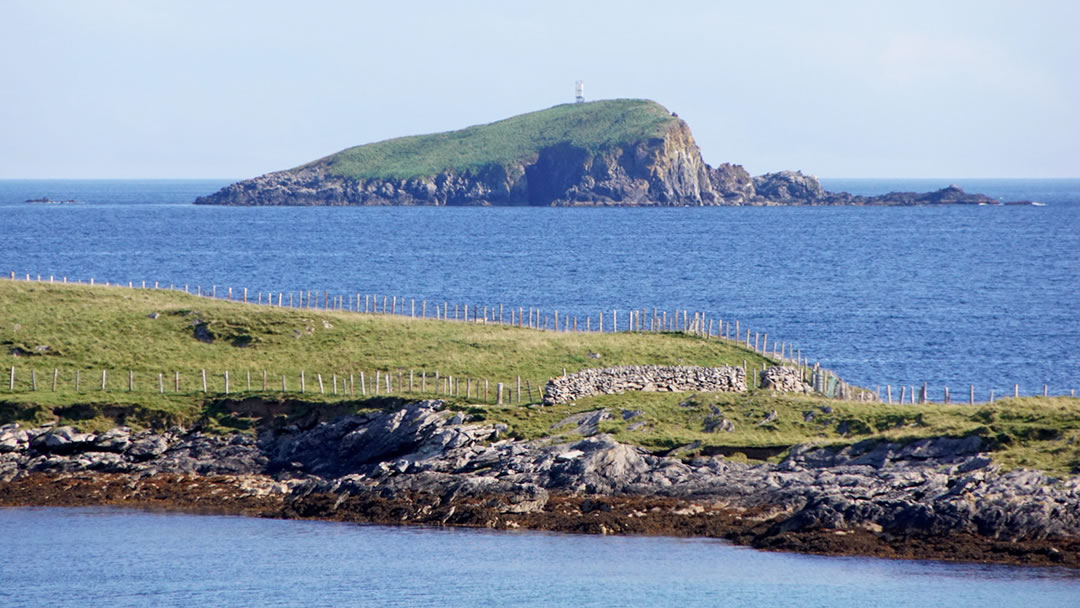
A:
<point x="611" y="380"/>
<point x="785" y="380"/>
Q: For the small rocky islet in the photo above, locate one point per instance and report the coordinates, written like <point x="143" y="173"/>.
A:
<point x="622" y="152"/>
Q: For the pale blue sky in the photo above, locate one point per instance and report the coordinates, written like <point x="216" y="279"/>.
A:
<point x="140" y="88"/>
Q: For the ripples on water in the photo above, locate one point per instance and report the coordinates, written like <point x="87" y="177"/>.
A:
<point x="112" y="557"/>
<point x="946" y="295"/>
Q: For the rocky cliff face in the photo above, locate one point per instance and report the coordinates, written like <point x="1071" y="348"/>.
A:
<point x="665" y="170"/>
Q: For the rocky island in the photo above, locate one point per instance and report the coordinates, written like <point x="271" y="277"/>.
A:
<point x="623" y="152"/>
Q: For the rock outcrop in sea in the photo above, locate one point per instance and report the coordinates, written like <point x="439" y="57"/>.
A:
<point x="420" y="463"/>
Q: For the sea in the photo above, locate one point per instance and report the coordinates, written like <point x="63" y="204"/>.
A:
<point x="982" y="297"/>
<point x="113" y="557"/>
<point x="966" y="297"/>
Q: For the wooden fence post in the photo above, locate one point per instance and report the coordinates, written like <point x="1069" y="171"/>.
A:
<point x="303" y="383"/>
<point x="177" y="380"/>
<point x="971" y="395"/>
<point x="55" y="377"/>
<point x="519" y="390"/>
<point x="1016" y="390"/>
<point x="499" y="393"/>
<point x="11" y="384"/>
<point x="102" y="379"/>
<point x="131" y="380"/>
<point x="161" y="383"/>
<point x="319" y="376"/>
<point x="363" y="385"/>
<point x="226" y="382"/>
<point x="423" y="382"/>
<point x="203" y="380"/>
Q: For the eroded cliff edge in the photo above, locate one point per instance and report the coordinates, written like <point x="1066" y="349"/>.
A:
<point x="665" y="170"/>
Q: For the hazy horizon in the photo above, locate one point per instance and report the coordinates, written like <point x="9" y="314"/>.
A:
<point x="123" y="89"/>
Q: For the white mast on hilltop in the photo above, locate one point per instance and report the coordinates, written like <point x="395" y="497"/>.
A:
<point x="579" y="91"/>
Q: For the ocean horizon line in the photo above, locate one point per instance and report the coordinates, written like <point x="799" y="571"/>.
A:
<point x="835" y="178"/>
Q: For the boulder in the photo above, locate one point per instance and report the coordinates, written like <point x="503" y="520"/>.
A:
<point x="789" y="187"/>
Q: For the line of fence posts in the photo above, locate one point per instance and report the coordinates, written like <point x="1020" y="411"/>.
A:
<point x="519" y="391"/>
<point x="681" y="320"/>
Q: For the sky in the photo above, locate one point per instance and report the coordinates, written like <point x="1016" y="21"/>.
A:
<point x="219" y="89"/>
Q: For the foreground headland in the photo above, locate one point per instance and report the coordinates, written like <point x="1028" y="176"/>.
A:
<point x="621" y="152"/>
<point x="423" y="463"/>
<point x="688" y="443"/>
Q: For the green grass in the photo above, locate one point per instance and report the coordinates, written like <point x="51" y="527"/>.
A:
<point x="1028" y="432"/>
<point x="593" y="126"/>
<point x="93" y="328"/>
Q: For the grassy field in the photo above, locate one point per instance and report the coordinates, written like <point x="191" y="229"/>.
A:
<point x="593" y="126"/>
<point x="147" y="332"/>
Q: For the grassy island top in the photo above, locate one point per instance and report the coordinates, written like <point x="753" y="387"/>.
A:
<point x="594" y="125"/>
<point x="54" y="331"/>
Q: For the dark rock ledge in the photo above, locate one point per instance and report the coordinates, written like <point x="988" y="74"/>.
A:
<point x="933" y="499"/>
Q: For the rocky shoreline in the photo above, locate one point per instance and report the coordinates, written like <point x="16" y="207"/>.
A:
<point x="420" y="464"/>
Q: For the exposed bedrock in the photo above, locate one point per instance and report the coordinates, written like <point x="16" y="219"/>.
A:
<point x="926" y="487"/>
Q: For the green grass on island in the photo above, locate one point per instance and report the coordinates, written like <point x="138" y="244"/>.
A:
<point x="48" y="329"/>
<point x="594" y="126"/>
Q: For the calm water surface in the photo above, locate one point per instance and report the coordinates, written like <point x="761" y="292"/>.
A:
<point x="944" y="295"/>
<point x="947" y="295"/>
<point x="110" y="557"/>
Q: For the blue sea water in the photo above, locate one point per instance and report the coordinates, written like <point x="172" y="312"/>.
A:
<point x="946" y="295"/>
<point x="109" y="557"/>
<point x="951" y="296"/>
